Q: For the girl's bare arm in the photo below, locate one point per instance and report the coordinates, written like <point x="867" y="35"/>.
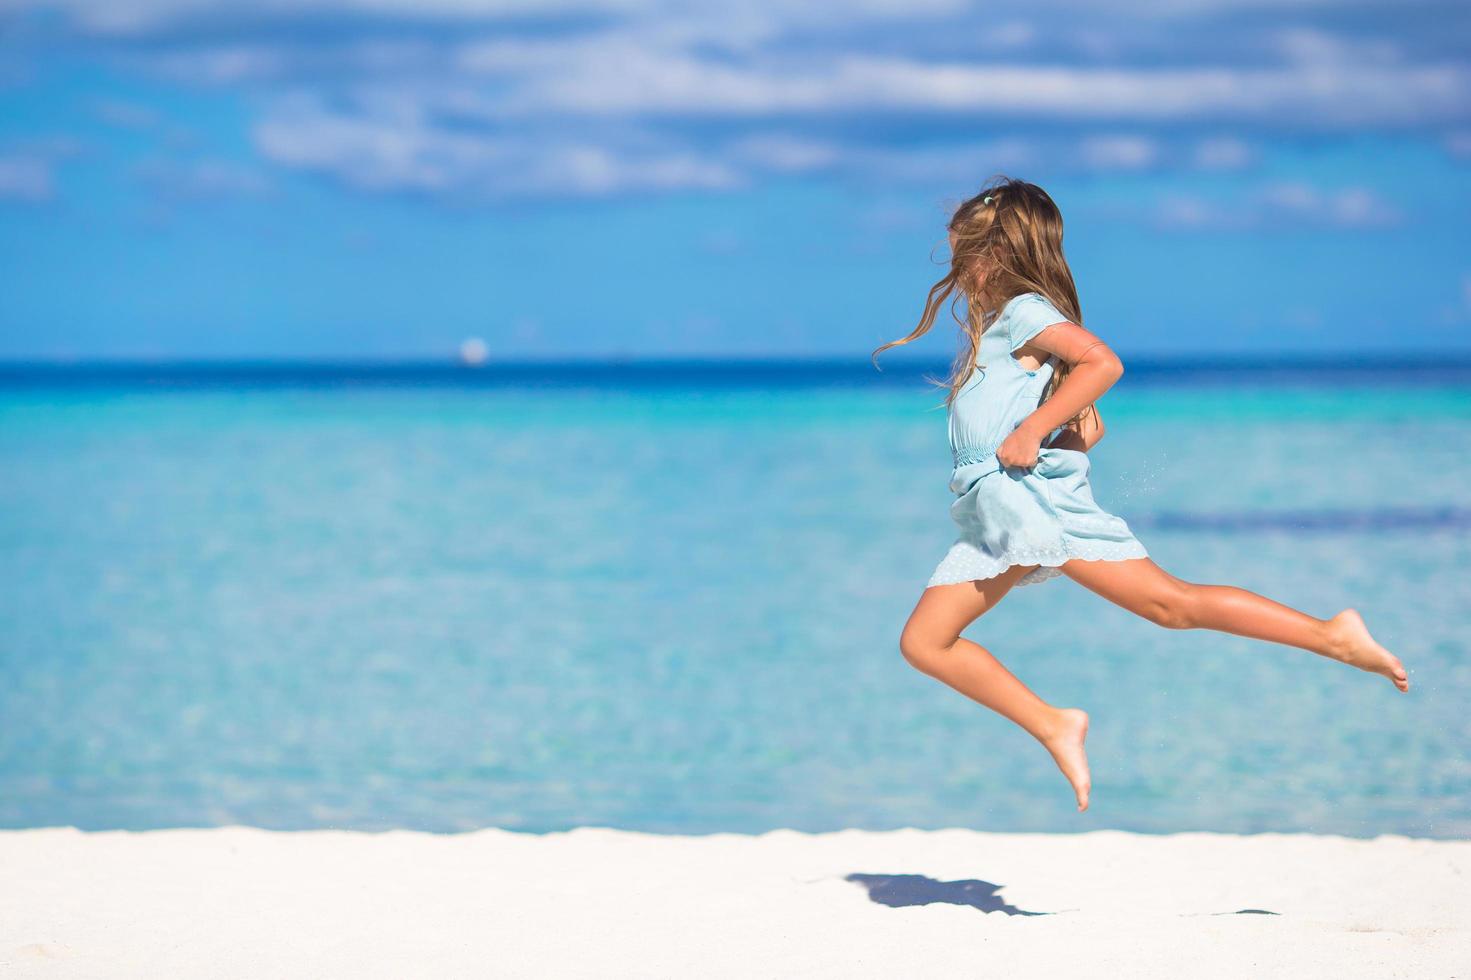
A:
<point x="1095" y="368"/>
<point x="1091" y="430"/>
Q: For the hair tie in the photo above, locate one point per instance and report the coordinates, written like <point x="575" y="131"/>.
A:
<point x="986" y="199"/>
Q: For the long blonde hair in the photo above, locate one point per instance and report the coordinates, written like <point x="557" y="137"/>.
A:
<point x="1014" y="230"/>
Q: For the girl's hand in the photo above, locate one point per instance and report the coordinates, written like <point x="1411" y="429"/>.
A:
<point x="1020" y="448"/>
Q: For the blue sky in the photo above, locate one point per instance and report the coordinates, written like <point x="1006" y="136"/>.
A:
<point x="384" y="178"/>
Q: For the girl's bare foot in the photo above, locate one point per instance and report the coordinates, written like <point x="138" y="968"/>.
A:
<point x="1066" y="745"/>
<point x="1350" y="642"/>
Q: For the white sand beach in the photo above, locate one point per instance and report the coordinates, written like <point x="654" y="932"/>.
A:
<point x="240" y="902"/>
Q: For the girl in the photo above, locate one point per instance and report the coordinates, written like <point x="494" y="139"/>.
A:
<point x="1022" y="418"/>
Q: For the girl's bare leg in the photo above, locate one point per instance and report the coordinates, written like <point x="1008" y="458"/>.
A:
<point x="1142" y="587"/>
<point x="932" y="643"/>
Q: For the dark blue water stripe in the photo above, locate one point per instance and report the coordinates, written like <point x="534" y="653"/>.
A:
<point x="1311" y="521"/>
<point x="697" y="373"/>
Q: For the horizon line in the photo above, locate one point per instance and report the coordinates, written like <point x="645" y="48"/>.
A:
<point x="1282" y="359"/>
<point x="670" y="372"/>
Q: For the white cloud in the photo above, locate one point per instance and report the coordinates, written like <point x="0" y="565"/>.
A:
<point x="621" y="95"/>
<point x="28" y="167"/>
<point x="1280" y="205"/>
<point x="1222" y="153"/>
<point x="227" y="64"/>
<point x="699" y="67"/>
<point x="408" y="153"/>
<point x="964" y="164"/>
<point x="203" y="179"/>
<point x="1119" y="152"/>
<point x="1351" y="207"/>
<point x="1307" y="45"/>
<point x="1012" y="34"/>
<point x="144" y="17"/>
<point x="126" y="115"/>
<point x="26" y="178"/>
<point x="619" y="81"/>
<point x="149" y="17"/>
<point x="1185" y="211"/>
<point x="787" y="154"/>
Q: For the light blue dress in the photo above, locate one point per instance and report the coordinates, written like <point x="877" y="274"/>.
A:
<point x="1041" y="516"/>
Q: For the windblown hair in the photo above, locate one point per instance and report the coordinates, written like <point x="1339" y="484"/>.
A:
<point x="1005" y="247"/>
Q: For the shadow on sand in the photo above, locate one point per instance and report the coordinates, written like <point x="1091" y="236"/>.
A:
<point x="899" y="891"/>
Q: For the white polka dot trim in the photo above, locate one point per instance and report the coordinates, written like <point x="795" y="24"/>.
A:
<point x="965" y="562"/>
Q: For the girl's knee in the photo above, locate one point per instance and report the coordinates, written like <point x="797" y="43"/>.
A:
<point x="920" y="650"/>
<point x="912" y="646"/>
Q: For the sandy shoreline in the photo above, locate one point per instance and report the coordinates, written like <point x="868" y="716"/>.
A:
<point x="240" y="902"/>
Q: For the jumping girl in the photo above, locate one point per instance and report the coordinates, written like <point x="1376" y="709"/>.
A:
<point x="1022" y="419"/>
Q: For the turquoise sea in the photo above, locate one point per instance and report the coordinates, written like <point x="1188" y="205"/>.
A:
<point x="668" y="599"/>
